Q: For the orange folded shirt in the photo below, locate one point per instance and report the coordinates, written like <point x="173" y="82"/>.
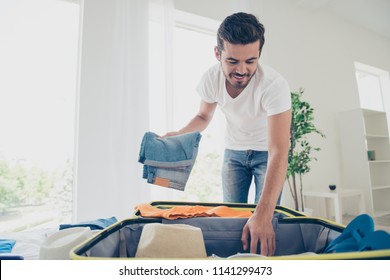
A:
<point x="180" y="212"/>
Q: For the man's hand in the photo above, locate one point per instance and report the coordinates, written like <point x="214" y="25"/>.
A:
<point x="172" y="133"/>
<point x="259" y="231"/>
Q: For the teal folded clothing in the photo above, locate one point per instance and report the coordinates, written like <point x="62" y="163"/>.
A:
<point x="359" y="235"/>
<point x="97" y="224"/>
<point x="377" y="240"/>
<point x="6" y="245"/>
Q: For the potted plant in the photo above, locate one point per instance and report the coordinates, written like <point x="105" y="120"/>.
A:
<point x="300" y="152"/>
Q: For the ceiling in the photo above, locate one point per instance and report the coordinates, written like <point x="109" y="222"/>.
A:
<point x="371" y="14"/>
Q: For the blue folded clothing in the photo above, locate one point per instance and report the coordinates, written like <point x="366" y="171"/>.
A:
<point x="6" y="245"/>
<point x="97" y="224"/>
<point x="168" y="161"/>
<point x="359" y="235"/>
<point x="9" y="256"/>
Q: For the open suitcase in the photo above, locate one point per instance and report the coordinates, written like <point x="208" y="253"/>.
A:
<point x="296" y="235"/>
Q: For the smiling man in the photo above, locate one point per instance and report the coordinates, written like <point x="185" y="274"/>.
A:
<point x="255" y="100"/>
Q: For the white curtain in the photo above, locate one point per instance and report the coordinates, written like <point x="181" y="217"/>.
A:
<point x="113" y="107"/>
<point x="161" y="37"/>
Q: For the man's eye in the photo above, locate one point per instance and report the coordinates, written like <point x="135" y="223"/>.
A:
<point x="250" y="62"/>
<point x="232" y="62"/>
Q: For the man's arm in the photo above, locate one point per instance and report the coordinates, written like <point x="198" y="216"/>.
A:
<point x="259" y="227"/>
<point x="200" y="121"/>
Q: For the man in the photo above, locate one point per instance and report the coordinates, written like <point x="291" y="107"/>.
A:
<point x="256" y="102"/>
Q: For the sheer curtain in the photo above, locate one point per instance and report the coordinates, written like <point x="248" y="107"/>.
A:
<point x="113" y="107"/>
<point x="161" y="71"/>
<point x="161" y="49"/>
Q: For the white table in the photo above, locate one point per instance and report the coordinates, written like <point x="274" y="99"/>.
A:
<point x="337" y="196"/>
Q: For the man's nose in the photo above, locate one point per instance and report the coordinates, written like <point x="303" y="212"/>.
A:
<point x="240" y="69"/>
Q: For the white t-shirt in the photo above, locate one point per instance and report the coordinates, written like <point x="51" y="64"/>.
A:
<point x="267" y="94"/>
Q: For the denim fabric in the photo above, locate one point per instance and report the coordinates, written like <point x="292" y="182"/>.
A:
<point x="168" y="161"/>
<point x="239" y="167"/>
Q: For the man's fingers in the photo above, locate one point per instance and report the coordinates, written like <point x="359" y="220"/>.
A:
<point x="258" y="238"/>
<point x="254" y="245"/>
<point x="272" y="247"/>
<point x="267" y="247"/>
<point x="245" y="237"/>
<point x="169" y="134"/>
<point x="264" y="248"/>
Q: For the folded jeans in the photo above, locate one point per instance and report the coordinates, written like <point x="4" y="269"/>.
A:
<point x="168" y="161"/>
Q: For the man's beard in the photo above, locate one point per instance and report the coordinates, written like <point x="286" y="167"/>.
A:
<point x="239" y="84"/>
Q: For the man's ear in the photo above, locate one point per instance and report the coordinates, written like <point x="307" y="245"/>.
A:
<point x="217" y="53"/>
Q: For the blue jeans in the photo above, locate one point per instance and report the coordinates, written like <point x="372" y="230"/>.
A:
<point x="168" y="161"/>
<point x="239" y="167"/>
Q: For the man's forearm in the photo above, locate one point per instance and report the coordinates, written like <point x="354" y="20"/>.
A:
<point x="198" y="123"/>
<point x="273" y="183"/>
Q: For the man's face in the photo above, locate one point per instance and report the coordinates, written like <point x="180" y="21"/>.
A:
<point x="239" y="63"/>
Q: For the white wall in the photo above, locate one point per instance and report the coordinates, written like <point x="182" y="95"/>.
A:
<point x="314" y="50"/>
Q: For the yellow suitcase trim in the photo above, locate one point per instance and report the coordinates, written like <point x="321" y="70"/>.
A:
<point x="107" y="244"/>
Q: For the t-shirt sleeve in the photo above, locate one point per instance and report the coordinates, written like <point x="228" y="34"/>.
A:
<point x="206" y="88"/>
<point x="277" y="98"/>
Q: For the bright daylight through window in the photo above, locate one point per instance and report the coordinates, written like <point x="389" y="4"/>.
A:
<point x="372" y="83"/>
<point x="193" y="44"/>
<point x="38" y="70"/>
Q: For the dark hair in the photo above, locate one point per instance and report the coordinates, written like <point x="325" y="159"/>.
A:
<point x="240" y="28"/>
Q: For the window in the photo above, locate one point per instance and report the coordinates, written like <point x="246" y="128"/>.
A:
<point x="371" y="86"/>
<point x="374" y="89"/>
<point x="38" y="54"/>
<point x="191" y="53"/>
<point x="369" y="91"/>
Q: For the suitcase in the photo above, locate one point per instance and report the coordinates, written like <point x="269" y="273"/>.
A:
<point x="296" y="234"/>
